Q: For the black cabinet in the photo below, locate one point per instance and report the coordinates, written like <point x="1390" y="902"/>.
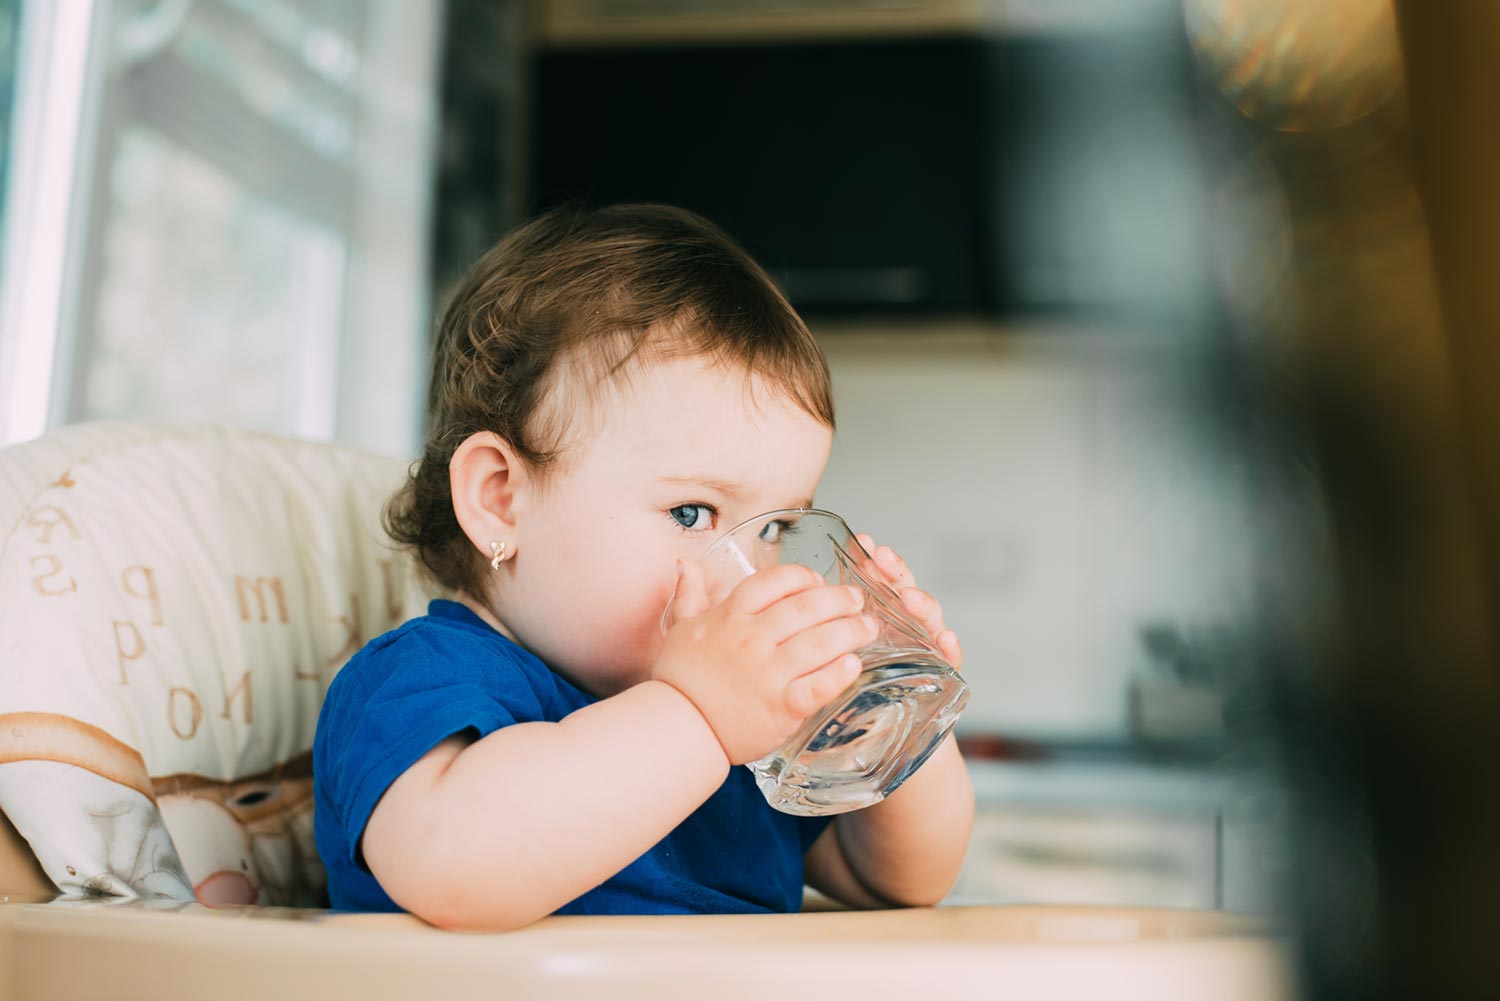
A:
<point x="855" y="172"/>
<point x="973" y="174"/>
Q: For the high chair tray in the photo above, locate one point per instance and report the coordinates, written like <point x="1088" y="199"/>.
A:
<point x="73" y="948"/>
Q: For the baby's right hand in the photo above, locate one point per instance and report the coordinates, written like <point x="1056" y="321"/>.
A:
<point x="767" y="657"/>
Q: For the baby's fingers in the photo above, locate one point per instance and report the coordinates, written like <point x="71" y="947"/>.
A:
<point x="863" y="558"/>
<point x="763" y="589"/>
<point x="825" y="642"/>
<point x="690" y="598"/>
<point x="951" y="649"/>
<point x="894" y="568"/>
<point x="811" y="692"/>
<point x="888" y="566"/>
<point x="805" y="609"/>
<point x="925" y="609"/>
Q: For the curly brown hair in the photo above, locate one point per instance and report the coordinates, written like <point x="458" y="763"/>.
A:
<point x="557" y="309"/>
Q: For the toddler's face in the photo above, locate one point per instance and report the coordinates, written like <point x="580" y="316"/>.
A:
<point x="686" y="451"/>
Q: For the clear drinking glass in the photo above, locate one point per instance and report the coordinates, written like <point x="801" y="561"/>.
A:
<point x="871" y="737"/>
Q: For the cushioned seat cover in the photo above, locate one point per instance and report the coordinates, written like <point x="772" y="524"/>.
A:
<point x="173" y="604"/>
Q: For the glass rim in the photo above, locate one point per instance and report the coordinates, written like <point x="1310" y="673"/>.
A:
<point x="723" y="539"/>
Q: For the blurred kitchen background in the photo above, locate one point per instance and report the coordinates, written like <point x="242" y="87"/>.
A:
<point x="1089" y="275"/>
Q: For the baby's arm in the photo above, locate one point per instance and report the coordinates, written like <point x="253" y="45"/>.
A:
<point x="907" y="849"/>
<point x="497" y="832"/>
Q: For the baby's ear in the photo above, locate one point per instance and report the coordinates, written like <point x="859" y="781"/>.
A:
<point x="488" y="482"/>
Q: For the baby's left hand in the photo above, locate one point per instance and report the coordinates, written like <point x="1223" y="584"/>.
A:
<point x="922" y="606"/>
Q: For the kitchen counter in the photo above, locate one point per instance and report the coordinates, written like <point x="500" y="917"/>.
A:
<point x="70" y="949"/>
<point x="1102" y="827"/>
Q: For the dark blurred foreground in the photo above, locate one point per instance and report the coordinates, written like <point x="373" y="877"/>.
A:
<point x="1387" y="394"/>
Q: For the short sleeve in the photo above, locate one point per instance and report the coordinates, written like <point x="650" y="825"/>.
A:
<point x="810" y="828"/>
<point x="388" y="708"/>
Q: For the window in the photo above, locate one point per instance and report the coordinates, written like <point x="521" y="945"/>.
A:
<point x="246" y="215"/>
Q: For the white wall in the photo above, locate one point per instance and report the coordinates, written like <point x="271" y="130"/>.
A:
<point x="1054" y="490"/>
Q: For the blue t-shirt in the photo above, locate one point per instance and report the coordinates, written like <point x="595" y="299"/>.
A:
<point x="449" y="672"/>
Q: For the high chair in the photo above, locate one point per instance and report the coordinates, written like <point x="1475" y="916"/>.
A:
<point x="173" y="604"/>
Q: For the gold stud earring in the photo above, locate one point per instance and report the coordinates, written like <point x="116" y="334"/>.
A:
<point x="498" y="548"/>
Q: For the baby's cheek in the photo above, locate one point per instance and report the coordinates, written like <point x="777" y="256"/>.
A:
<point x="645" y="632"/>
<point x="628" y="642"/>
<point x="616" y="610"/>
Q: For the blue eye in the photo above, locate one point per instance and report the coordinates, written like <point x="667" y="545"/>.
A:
<point x="694" y="517"/>
<point x="773" y="531"/>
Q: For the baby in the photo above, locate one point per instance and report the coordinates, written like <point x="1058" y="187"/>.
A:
<point x="610" y="390"/>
